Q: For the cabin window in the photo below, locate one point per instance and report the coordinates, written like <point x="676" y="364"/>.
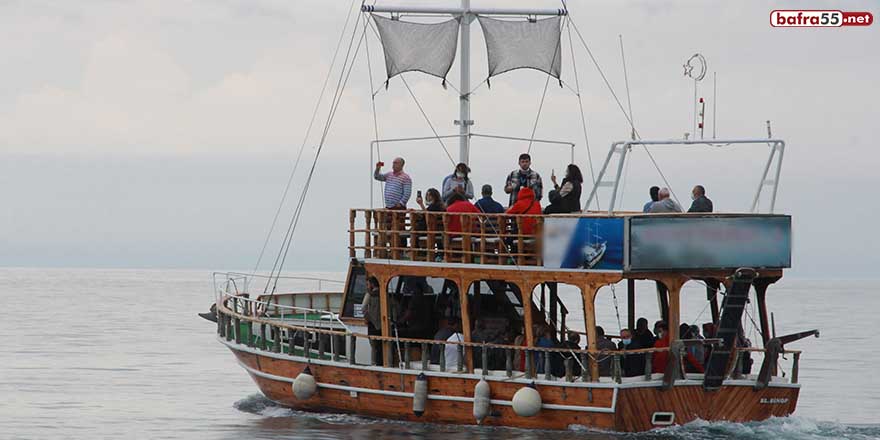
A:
<point x="421" y="306"/>
<point x="496" y="312"/>
<point x="354" y="292"/>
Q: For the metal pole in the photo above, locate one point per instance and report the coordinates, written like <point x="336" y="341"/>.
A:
<point x="781" y="147"/>
<point x="464" y="123"/>
<point x="623" y="150"/>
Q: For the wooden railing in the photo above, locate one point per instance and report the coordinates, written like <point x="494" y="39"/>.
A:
<point x="237" y="321"/>
<point x="498" y="239"/>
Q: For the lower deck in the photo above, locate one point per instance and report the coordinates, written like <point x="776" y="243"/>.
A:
<point x="636" y="405"/>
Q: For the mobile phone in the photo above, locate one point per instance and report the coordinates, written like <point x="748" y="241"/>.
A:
<point x="381" y="164"/>
<point x="419" y="194"/>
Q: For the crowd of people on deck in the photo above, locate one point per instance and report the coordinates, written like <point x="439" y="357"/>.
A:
<point x="417" y="313"/>
<point x="525" y="190"/>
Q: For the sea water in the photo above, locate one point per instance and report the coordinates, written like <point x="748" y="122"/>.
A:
<point x="89" y="354"/>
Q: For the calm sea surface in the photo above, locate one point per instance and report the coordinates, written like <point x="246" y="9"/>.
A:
<point x="89" y="354"/>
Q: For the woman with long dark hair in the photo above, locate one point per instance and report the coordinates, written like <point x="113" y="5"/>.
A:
<point x="459" y="182"/>
<point x="566" y="198"/>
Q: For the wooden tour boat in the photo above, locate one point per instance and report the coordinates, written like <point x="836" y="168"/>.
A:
<point x="312" y="350"/>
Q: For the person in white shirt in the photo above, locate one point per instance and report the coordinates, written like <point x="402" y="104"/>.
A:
<point x="452" y="357"/>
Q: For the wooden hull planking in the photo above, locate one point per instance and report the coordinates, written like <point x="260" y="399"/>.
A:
<point x="386" y="393"/>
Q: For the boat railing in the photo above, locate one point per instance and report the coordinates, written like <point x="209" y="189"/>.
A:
<point x="501" y="239"/>
<point x="237" y="322"/>
<point x="250" y="308"/>
<point x="240" y="282"/>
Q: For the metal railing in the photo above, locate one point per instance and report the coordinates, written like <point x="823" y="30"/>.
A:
<point x="308" y="339"/>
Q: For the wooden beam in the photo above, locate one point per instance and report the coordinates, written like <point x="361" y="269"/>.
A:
<point x="673" y="284"/>
<point x="631" y="304"/>
<point x="526" y="293"/>
<point x="588" y="293"/>
<point x="386" y="319"/>
<point x="465" y="322"/>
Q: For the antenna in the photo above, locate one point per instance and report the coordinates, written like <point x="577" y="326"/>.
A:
<point x="695" y="68"/>
<point x="714" y="102"/>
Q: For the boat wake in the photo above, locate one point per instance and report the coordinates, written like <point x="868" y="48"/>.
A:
<point x="258" y="404"/>
<point x="773" y="428"/>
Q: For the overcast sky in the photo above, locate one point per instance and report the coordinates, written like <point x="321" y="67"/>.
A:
<point x="161" y="134"/>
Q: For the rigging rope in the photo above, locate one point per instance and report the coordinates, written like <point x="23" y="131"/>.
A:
<point x="577" y="82"/>
<point x="340" y="87"/>
<point x="305" y="138"/>
<point x="544" y="93"/>
<point x="620" y="106"/>
<point x="375" y="118"/>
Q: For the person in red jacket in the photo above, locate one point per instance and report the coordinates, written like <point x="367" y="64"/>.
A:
<point x="458" y="203"/>
<point x="662" y="357"/>
<point x="526" y="204"/>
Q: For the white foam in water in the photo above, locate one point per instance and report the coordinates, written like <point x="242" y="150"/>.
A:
<point x="773" y="428"/>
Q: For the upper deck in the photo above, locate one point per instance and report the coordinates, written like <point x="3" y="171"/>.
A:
<point x="620" y="242"/>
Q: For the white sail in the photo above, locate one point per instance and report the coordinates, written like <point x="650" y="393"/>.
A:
<point x="428" y="48"/>
<point x="523" y="44"/>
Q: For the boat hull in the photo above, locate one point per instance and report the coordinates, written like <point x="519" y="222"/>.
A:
<point x="387" y="393"/>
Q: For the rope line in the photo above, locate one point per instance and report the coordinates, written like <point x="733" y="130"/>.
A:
<point x="583" y="117"/>
<point x="305" y="138"/>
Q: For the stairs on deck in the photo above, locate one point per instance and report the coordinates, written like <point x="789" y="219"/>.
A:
<point x="728" y="325"/>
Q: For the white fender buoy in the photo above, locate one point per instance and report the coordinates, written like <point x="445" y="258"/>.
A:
<point x="482" y="396"/>
<point x="420" y="394"/>
<point x="527" y="401"/>
<point x="304" y="386"/>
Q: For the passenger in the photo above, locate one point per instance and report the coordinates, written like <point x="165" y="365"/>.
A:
<point x="662" y="357"/>
<point x="643" y="337"/>
<point x="664" y="204"/>
<point x="457" y="203"/>
<point x="373" y="318"/>
<point x="698" y="351"/>
<point x="657" y="329"/>
<point x="526" y="204"/>
<point x="567" y="197"/>
<point x="442" y="334"/>
<point x="459" y="182"/>
<point x="543" y="339"/>
<point x="432" y="196"/>
<point x="701" y="203"/>
<point x="452" y="357"/>
<point x="524" y="177"/>
<point x="655" y="190"/>
<point x="603" y="343"/>
<point x="398" y="185"/>
<point x="632" y="364"/>
<point x="742" y="341"/>
<point x="557" y="361"/>
<point x="487" y="204"/>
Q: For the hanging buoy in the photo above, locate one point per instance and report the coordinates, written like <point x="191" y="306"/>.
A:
<point x="420" y="394"/>
<point x="527" y="401"/>
<point x="304" y="386"/>
<point x="482" y="396"/>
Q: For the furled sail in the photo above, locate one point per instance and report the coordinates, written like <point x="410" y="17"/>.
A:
<point x="422" y="47"/>
<point x="523" y="44"/>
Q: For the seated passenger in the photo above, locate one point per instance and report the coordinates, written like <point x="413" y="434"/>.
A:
<point x="632" y="364"/>
<point x="698" y="351"/>
<point x="661" y="358"/>
<point x="487" y="204"/>
<point x="664" y="204"/>
<point x="544" y="339"/>
<point x="432" y="196"/>
<point x="701" y="202"/>
<point x="654" y="192"/>
<point x="526" y="204"/>
<point x="443" y="334"/>
<point x="457" y="203"/>
<point x="603" y="343"/>
<point x="452" y="357"/>
<point x="572" y="342"/>
<point x="459" y="182"/>
<point x="642" y="336"/>
<point x="566" y="198"/>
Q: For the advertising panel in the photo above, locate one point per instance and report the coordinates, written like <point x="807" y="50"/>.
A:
<point x="589" y="243"/>
<point x="659" y="243"/>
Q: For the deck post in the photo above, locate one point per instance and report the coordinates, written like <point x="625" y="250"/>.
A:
<point x="547" y="374"/>
<point x="712" y="289"/>
<point x="508" y="362"/>
<point x="529" y="360"/>
<point x="386" y="322"/>
<point x="263" y="344"/>
<point x="351" y="222"/>
<point x="443" y="358"/>
<point x="761" y="285"/>
<point x="569" y="377"/>
<point x="221" y="325"/>
<point x="277" y="346"/>
<point x="334" y="347"/>
<point x="368" y="239"/>
<point x="588" y="293"/>
<point x="321" y="346"/>
<point x="464" y="300"/>
<point x="649" y="365"/>
<point x="795" y="366"/>
<point x="631" y="304"/>
<point x="585" y="367"/>
<point x="406" y="355"/>
<point x="352" y="343"/>
<point x="426" y="356"/>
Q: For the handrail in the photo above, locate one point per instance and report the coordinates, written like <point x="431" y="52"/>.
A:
<point x="255" y="302"/>
<point x="589" y="361"/>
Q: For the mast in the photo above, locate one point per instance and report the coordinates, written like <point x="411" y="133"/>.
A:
<point x="464" y="123"/>
<point x="468" y="15"/>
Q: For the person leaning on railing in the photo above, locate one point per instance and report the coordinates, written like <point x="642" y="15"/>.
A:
<point x="373" y="318"/>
